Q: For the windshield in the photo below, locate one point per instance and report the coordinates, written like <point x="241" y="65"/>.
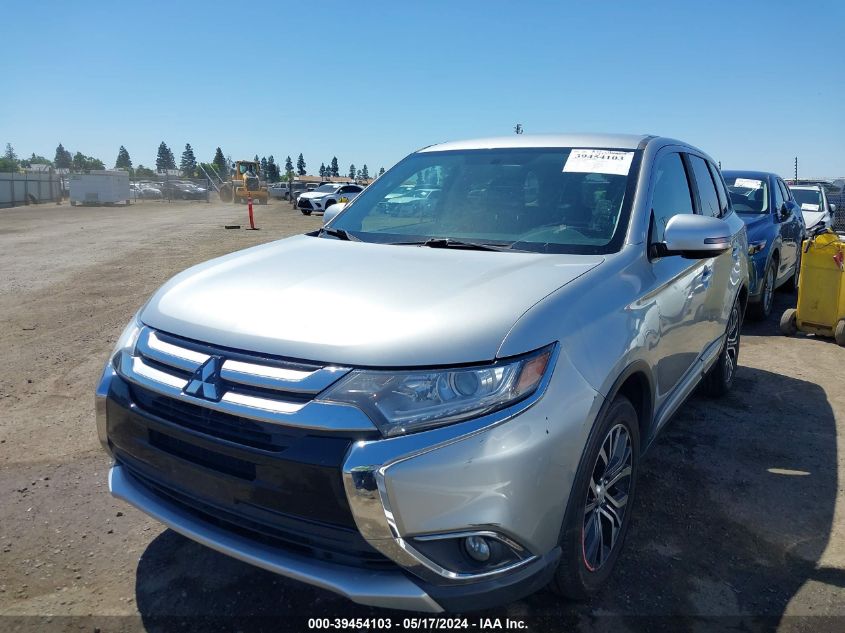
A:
<point x="557" y="200"/>
<point x="748" y="195"/>
<point x="328" y="187"/>
<point x="810" y="197"/>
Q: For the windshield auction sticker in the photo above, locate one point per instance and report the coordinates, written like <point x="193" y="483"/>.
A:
<point x="806" y="206"/>
<point x="748" y="183"/>
<point x="599" y="161"/>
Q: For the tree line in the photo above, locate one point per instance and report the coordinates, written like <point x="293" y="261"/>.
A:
<point x="188" y="164"/>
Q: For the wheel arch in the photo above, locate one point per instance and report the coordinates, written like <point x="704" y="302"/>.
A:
<point x="637" y="385"/>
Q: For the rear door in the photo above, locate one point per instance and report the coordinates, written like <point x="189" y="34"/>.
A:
<point x="792" y="229"/>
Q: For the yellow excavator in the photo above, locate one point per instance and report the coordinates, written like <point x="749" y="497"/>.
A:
<point x="244" y="183"/>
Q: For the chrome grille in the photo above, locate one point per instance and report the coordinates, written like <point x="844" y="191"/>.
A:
<point x="251" y="386"/>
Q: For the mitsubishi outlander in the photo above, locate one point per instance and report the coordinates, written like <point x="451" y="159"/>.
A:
<point x="443" y="409"/>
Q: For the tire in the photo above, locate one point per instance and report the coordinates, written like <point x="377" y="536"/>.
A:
<point x="306" y="211"/>
<point x="586" y="563"/>
<point x="839" y="333"/>
<point x="720" y="377"/>
<point x="761" y="310"/>
<point x="788" y="322"/>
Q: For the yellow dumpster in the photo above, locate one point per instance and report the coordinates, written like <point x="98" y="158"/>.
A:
<point x="821" y="290"/>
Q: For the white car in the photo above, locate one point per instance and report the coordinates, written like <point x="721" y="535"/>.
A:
<point x="326" y="195"/>
<point x="815" y="208"/>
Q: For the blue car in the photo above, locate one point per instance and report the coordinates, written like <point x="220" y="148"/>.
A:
<point x="775" y="229"/>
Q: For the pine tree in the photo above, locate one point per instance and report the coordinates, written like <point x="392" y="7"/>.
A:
<point x="352" y="172"/>
<point x="123" y="161"/>
<point x="365" y="175"/>
<point x="10" y="152"/>
<point x="322" y="170"/>
<point x="264" y="172"/>
<point x="188" y="165"/>
<point x="165" y="158"/>
<point x="359" y="175"/>
<point x="300" y="165"/>
<point x="381" y="171"/>
<point x="288" y="165"/>
<point x="63" y="158"/>
<point x="335" y="168"/>
<point x="220" y="163"/>
<point x="272" y="169"/>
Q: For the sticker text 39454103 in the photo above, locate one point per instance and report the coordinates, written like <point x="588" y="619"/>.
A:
<point x="599" y="161"/>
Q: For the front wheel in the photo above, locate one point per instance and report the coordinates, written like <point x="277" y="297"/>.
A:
<point x="761" y="311"/>
<point x="720" y="378"/>
<point x="599" y="509"/>
<point x="305" y="212"/>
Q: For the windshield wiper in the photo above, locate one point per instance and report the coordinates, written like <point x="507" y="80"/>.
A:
<point x="448" y="242"/>
<point x="339" y="234"/>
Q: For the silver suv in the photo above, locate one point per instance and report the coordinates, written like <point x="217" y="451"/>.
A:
<point x="442" y="410"/>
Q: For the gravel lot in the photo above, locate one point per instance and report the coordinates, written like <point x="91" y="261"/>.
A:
<point x="739" y="521"/>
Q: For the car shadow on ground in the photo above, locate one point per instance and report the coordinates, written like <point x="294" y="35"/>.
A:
<point x="733" y="511"/>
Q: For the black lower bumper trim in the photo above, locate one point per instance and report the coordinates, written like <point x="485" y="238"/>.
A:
<point x="498" y="591"/>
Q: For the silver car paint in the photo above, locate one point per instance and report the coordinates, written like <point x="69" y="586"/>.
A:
<point x="406" y="306"/>
<point x="401" y="306"/>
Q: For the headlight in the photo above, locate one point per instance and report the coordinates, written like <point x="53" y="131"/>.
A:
<point x="401" y="402"/>
<point x="126" y="341"/>
<point x="756" y="247"/>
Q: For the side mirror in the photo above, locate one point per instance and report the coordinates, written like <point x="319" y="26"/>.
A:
<point x="833" y="208"/>
<point x="330" y="213"/>
<point x="786" y="210"/>
<point x="695" y="237"/>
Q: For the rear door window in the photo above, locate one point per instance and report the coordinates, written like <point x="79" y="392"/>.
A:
<point x="708" y="198"/>
<point x="720" y="188"/>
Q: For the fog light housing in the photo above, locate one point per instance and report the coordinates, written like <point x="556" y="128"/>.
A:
<point x="464" y="555"/>
<point x="477" y="548"/>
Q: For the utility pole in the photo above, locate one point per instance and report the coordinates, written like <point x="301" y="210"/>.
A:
<point x="518" y="128"/>
<point x="796" y="168"/>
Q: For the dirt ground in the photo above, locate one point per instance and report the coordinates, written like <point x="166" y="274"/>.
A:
<point x="739" y="521"/>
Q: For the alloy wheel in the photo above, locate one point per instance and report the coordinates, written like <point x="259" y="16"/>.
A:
<point x="607" y="497"/>
<point x="732" y="344"/>
<point x="769" y="289"/>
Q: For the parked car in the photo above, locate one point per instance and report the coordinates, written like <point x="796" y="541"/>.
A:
<point x="182" y="190"/>
<point x="326" y="195"/>
<point x="147" y="191"/>
<point x="815" y="206"/>
<point x="278" y="190"/>
<point x="472" y="429"/>
<point x="775" y="233"/>
<point x="415" y="201"/>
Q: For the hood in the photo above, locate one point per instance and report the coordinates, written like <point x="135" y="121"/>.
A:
<point x="811" y="218"/>
<point x="357" y="303"/>
<point x="317" y="194"/>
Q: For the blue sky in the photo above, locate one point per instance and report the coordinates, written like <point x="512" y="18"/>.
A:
<point x="751" y="83"/>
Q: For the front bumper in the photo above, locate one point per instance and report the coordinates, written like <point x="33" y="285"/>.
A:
<point x="391" y="589"/>
<point x="509" y="473"/>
